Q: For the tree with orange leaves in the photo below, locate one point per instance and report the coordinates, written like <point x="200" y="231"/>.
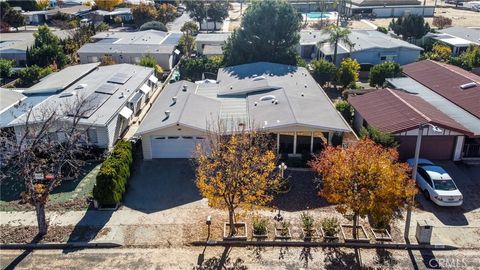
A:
<point x="236" y="168"/>
<point x="364" y="179"/>
<point x="107" y="4"/>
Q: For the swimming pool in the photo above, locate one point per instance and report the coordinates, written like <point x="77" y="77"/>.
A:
<point x="321" y="15"/>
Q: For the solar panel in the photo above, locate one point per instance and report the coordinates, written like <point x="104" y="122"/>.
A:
<point x="119" y="78"/>
<point x="95" y="101"/>
<point x="107" y="88"/>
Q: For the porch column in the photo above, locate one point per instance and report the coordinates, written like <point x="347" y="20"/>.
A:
<point x="311" y="143"/>
<point x="457" y="154"/>
<point x="330" y="136"/>
<point x="295" y="143"/>
<point x="278" y="143"/>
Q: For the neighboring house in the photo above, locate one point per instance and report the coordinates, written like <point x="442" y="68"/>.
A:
<point x="129" y="47"/>
<point x="453" y="91"/>
<point x="42" y="16"/>
<point x="109" y="16"/>
<point x="401" y="114"/>
<point x="211" y="44"/>
<point x="457" y="38"/>
<point x="115" y="93"/>
<point x="9" y="98"/>
<point x="283" y="100"/>
<point x="13" y="46"/>
<point x="387" y="8"/>
<point x="370" y="47"/>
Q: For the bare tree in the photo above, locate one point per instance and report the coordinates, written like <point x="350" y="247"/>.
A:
<point x="46" y="149"/>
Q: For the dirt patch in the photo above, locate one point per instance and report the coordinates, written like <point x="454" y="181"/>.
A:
<point x="62" y="207"/>
<point x="57" y="234"/>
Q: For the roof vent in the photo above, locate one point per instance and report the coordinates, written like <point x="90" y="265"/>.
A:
<point x="468" y="85"/>
<point x="174" y="99"/>
<point x="259" y="78"/>
<point x="267" y="97"/>
<point x="121" y="95"/>
<point x="255" y="103"/>
<point x="81" y="86"/>
<point x="276" y="101"/>
<point x="167" y="113"/>
<point x="302" y="94"/>
<point x="184" y="88"/>
<point x="305" y="85"/>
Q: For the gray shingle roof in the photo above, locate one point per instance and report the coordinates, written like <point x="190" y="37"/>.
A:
<point x="362" y="39"/>
<point x="471" y="34"/>
<point x="248" y="93"/>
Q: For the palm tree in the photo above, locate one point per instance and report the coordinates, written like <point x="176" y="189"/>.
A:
<point x="335" y="35"/>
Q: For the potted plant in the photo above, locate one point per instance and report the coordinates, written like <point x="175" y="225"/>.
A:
<point x="282" y="230"/>
<point x="330" y="227"/>
<point x="260" y="228"/>
<point x="308" y="229"/>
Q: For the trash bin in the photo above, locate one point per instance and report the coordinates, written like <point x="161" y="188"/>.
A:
<point x="424" y="232"/>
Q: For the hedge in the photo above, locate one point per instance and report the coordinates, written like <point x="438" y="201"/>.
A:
<point x="113" y="176"/>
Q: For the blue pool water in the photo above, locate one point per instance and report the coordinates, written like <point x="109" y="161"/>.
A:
<point x="320" y="15"/>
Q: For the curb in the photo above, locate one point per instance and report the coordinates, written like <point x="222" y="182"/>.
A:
<point x="60" y="245"/>
<point x="324" y="244"/>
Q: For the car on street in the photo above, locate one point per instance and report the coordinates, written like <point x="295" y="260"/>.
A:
<point x="436" y="184"/>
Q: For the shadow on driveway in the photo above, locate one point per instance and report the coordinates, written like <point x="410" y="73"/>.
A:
<point x="161" y="184"/>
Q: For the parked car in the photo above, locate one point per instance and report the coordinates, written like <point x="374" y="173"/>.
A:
<point x="436" y="184"/>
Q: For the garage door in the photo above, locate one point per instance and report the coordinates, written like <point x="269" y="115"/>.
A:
<point x="433" y="147"/>
<point x="174" y="146"/>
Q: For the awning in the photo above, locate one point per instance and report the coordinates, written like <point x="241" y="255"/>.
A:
<point x="153" y="79"/>
<point x="145" y="89"/>
<point x="126" y="112"/>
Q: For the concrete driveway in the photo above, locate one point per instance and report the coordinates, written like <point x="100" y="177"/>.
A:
<point x="162" y="184"/>
<point x="457" y="226"/>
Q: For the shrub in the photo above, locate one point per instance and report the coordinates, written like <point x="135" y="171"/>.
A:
<point x="6" y="67"/>
<point x="153" y="25"/>
<point x="441" y="21"/>
<point x="382" y="29"/>
<point x="345" y="109"/>
<point x="191" y="69"/>
<point x="380" y="72"/>
<point x="111" y="181"/>
<point x="323" y="71"/>
<point x="284" y="226"/>
<point x="330" y="226"/>
<point x="307" y="223"/>
<point x="31" y="75"/>
<point x="260" y="226"/>
<point x="102" y="27"/>
<point x="148" y="60"/>
<point x="383" y="138"/>
<point x="348" y="72"/>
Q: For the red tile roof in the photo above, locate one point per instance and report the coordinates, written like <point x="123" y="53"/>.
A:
<point x="445" y="80"/>
<point x="397" y="111"/>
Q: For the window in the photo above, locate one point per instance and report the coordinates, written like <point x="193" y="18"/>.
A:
<point x="160" y="138"/>
<point x="286" y="143"/>
<point x="187" y="137"/>
<point x="92" y="135"/>
<point x="173" y="137"/>
<point x="425" y="176"/>
<point x="383" y="58"/>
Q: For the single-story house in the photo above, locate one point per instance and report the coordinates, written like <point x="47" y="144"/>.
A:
<point x="211" y="44"/>
<point x="39" y="17"/>
<point x="401" y="114"/>
<point x="129" y="47"/>
<point x="13" y="46"/>
<point x="388" y="9"/>
<point x="370" y="47"/>
<point x="281" y="99"/>
<point x="115" y="93"/>
<point x="109" y="16"/>
<point x="453" y="91"/>
<point x="457" y="38"/>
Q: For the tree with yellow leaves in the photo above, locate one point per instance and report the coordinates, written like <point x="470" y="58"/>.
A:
<point x="42" y="4"/>
<point x="236" y="168"/>
<point x="364" y="179"/>
<point x="107" y="4"/>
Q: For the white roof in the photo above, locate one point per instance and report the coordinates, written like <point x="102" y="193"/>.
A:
<point x="126" y="112"/>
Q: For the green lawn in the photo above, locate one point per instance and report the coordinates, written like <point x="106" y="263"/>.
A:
<point x="69" y="190"/>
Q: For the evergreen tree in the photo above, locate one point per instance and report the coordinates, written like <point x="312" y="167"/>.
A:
<point x="47" y="49"/>
<point x="269" y="32"/>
